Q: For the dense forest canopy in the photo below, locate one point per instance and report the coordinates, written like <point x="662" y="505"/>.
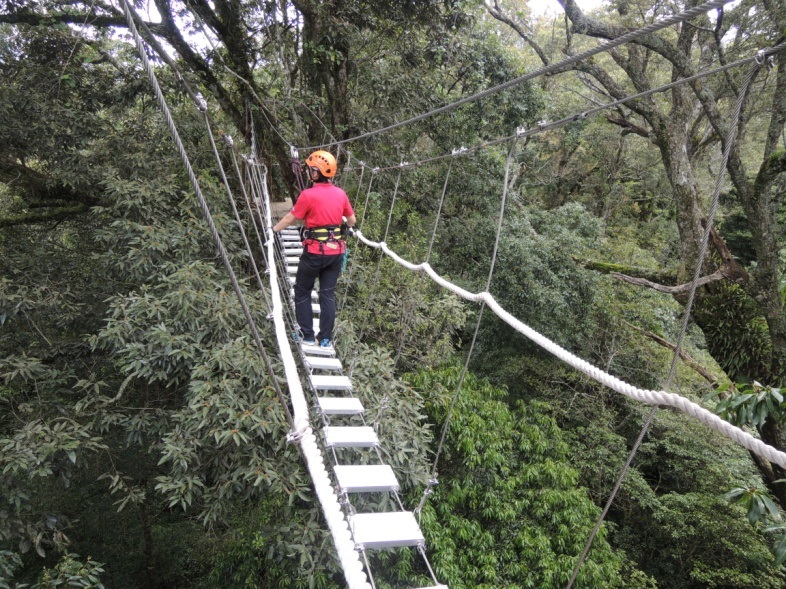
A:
<point x="141" y="440"/>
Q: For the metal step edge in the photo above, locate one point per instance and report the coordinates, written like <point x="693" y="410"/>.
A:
<point x="385" y="530"/>
<point x="350" y="437"/>
<point x="322" y="363"/>
<point x="340" y="405"/>
<point x="367" y="478"/>
<point x="330" y="382"/>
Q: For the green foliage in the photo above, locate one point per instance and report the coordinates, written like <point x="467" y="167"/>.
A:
<point x="737" y="333"/>
<point x="758" y="503"/>
<point x="70" y="572"/>
<point x="507" y="511"/>
<point x="750" y="404"/>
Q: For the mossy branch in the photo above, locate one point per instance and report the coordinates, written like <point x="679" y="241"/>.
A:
<point x="659" y="276"/>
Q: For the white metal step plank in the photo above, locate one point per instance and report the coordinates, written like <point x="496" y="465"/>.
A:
<point x="330" y="382"/>
<point x="292" y="246"/>
<point x="385" y="530"/>
<point x="340" y="405"/>
<point x="293" y="260"/>
<point x="321" y="363"/>
<point x="367" y="478"/>
<point x="350" y="437"/>
<point x="291" y="270"/>
<point x="290" y="236"/>
<point x="318" y="350"/>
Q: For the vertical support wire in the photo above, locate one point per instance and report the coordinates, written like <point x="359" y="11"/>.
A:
<point x="376" y="275"/>
<point x="351" y="263"/>
<point x="408" y="317"/>
<point x="465" y="368"/>
<point x="231" y="200"/>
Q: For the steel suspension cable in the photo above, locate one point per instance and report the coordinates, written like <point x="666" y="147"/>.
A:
<point x="549" y="69"/>
<point x="206" y="211"/>
<point x="703" y="248"/>
<point x="544" y="126"/>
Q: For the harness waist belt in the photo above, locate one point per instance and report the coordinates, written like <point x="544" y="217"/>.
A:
<point x="324" y="233"/>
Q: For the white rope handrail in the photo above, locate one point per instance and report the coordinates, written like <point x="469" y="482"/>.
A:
<point x="647" y="396"/>
<point x="303" y="433"/>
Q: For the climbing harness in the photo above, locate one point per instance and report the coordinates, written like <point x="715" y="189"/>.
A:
<point x="324" y="233"/>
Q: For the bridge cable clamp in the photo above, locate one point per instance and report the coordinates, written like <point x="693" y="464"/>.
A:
<point x="761" y="56"/>
<point x="200" y="101"/>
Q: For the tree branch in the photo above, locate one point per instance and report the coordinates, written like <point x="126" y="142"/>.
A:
<point x="716" y="276"/>
<point x="43" y="216"/>
<point x="496" y="12"/>
<point x="684" y="356"/>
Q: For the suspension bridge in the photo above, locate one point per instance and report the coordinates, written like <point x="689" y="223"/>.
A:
<point x="326" y="418"/>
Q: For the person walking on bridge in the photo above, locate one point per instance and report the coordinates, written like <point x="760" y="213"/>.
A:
<point x="323" y="208"/>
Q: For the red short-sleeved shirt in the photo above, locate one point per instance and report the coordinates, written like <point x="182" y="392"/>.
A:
<point x="323" y="204"/>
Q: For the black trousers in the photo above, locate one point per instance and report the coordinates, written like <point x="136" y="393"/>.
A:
<point x="326" y="268"/>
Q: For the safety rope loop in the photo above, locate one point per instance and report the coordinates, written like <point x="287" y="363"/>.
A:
<point x="205" y="209"/>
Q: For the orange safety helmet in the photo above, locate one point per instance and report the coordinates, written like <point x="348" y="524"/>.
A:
<point x="324" y="162"/>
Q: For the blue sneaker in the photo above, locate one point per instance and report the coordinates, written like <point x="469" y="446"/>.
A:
<point x="305" y="341"/>
<point x="325" y="343"/>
